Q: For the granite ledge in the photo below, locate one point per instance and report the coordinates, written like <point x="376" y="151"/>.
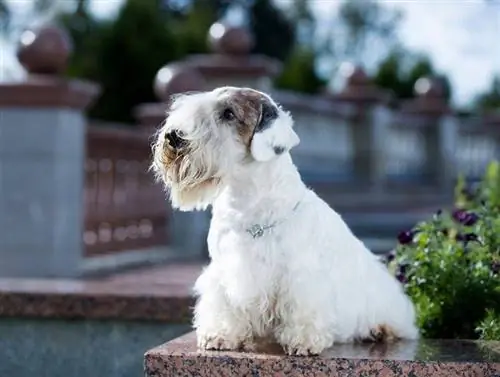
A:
<point x="152" y="294"/>
<point x="436" y="358"/>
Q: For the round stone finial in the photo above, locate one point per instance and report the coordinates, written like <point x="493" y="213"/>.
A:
<point x="358" y="88"/>
<point x="177" y="78"/>
<point x="357" y="77"/>
<point x="430" y="87"/>
<point x="45" y="50"/>
<point x="230" y="40"/>
<point x="430" y="98"/>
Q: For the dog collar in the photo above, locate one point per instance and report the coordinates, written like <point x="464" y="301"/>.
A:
<point x="258" y="230"/>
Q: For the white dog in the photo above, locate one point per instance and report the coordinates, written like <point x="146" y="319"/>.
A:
<point x="284" y="265"/>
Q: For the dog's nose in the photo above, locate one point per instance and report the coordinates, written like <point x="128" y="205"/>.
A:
<point x="175" y="140"/>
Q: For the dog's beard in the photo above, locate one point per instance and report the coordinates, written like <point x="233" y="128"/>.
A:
<point x="190" y="172"/>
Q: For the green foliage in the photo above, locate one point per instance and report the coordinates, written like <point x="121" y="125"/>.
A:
<point x="123" y="55"/>
<point x="489" y="328"/>
<point x="400" y="70"/>
<point x="491" y="99"/>
<point x="299" y="73"/>
<point x="193" y="25"/>
<point x="450" y="264"/>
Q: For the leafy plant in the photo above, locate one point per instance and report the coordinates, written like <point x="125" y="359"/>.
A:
<point x="450" y="264"/>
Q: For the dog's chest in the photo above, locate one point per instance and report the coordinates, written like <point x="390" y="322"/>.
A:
<point x="252" y="266"/>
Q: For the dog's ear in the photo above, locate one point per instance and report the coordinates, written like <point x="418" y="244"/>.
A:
<point x="276" y="139"/>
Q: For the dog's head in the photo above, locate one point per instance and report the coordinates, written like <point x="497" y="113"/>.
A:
<point x="209" y="136"/>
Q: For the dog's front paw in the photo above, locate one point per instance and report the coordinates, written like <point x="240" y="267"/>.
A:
<point x="299" y="350"/>
<point x="217" y="342"/>
<point x="304" y="341"/>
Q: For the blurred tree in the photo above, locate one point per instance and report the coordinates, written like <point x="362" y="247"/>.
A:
<point x="300" y="68"/>
<point x="299" y="72"/>
<point x="365" y="23"/>
<point x="274" y="34"/>
<point x="490" y="100"/>
<point x="194" y="23"/>
<point x="304" y="20"/>
<point x="85" y="32"/>
<point x="401" y="69"/>
<point x="123" y="55"/>
<point x="361" y="33"/>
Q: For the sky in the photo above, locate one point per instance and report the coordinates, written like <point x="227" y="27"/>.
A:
<point x="461" y="36"/>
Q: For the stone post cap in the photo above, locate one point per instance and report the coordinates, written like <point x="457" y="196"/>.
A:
<point x="230" y="40"/>
<point x="45" y="50"/>
<point x="177" y="78"/>
<point x="358" y="88"/>
<point x="430" y="99"/>
<point x="231" y="55"/>
<point x="44" y="53"/>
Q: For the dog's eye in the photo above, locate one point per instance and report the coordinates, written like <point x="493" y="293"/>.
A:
<point x="228" y="114"/>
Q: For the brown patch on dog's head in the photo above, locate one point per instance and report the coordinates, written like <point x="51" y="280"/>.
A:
<point x="240" y="108"/>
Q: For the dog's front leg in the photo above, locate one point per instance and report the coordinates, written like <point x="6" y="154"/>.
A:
<point x="219" y="326"/>
<point x="307" y="323"/>
<point x="302" y="332"/>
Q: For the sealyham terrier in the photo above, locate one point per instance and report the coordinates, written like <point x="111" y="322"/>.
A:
<point x="284" y="265"/>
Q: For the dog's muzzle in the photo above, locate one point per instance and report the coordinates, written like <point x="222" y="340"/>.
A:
<point x="175" y="140"/>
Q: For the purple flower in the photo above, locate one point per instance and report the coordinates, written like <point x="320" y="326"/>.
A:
<point x="464" y="217"/>
<point x="401" y="272"/>
<point x="406" y="237"/>
<point x="401" y="278"/>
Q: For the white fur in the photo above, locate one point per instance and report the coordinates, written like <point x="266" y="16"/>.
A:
<point x="308" y="282"/>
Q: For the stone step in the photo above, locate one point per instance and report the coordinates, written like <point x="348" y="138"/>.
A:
<point x="424" y="358"/>
<point x="379" y="245"/>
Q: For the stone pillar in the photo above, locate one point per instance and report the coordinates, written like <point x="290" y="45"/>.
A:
<point x="42" y="141"/>
<point x="369" y="127"/>
<point x="440" y="130"/>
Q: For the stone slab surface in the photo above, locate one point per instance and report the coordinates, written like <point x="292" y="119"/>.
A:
<point x="427" y="358"/>
<point x="161" y="293"/>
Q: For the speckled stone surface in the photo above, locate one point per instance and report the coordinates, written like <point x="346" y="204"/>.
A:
<point x="427" y="358"/>
<point x="152" y="294"/>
